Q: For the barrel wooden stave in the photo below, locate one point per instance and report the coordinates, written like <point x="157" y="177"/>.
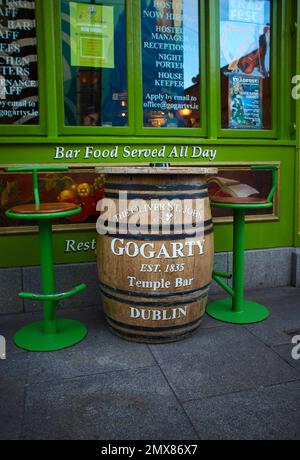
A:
<point x="171" y="313"/>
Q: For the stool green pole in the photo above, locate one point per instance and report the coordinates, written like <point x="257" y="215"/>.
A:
<point x="238" y="259"/>
<point x="47" y="275"/>
<point x="237" y="309"/>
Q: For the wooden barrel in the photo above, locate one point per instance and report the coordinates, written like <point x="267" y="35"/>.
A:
<point x="155" y="253"/>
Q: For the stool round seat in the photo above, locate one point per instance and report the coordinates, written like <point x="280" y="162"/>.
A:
<point x="43" y="208"/>
<point x="43" y="211"/>
<point x="238" y="200"/>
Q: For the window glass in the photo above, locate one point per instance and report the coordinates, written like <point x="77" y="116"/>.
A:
<point x="245" y="45"/>
<point x="170" y="59"/>
<point x="19" y="102"/>
<point x="94" y="63"/>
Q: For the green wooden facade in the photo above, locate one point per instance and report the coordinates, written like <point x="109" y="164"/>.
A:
<point x="37" y="144"/>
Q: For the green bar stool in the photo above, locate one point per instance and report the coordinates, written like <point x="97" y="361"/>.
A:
<point x="52" y="333"/>
<point x="236" y="309"/>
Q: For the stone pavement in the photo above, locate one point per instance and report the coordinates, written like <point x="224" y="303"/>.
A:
<point x="225" y="382"/>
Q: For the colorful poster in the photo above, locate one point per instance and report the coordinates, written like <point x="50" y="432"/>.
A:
<point x="245" y="111"/>
<point x="82" y="187"/>
<point x="252" y="11"/>
<point x="245" y="34"/>
<point x="19" y="88"/>
<point x="92" y="35"/>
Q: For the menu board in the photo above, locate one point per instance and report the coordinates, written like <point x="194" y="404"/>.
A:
<point x="94" y="56"/>
<point x="170" y="56"/>
<point x="19" y="103"/>
<point x="92" y="35"/>
<point x="245" y="102"/>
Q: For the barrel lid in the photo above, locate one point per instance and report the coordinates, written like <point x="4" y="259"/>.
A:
<point x="156" y="170"/>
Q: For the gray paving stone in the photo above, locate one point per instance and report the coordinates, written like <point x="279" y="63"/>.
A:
<point x="98" y="333"/>
<point x="10" y="324"/>
<point x="131" y="405"/>
<point x="209" y="322"/>
<point x="100" y="352"/>
<point x="10" y="286"/>
<point x="296" y="267"/>
<point x="220" y="360"/>
<point x="13" y="377"/>
<point x="285" y="351"/>
<point x="267" y="267"/>
<point x="274" y="293"/>
<point x="92" y="314"/>
<point x="268" y="413"/>
<point x="71" y="274"/>
<point x="284" y="306"/>
<point x="67" y="276"/>
<point x="11" y="411"/>
<point x="8" y="331"/>
<point x="14" y="369"/>
<point x="32" y="283"/>
<point x="221" y="264"/>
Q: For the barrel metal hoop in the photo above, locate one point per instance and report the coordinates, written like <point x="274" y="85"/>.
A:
<point x="155" y="338"/>
<point x="152" y="329"/>
<point x="158" y="188"/>
<point x="152" y="296"/>
<point x="174" y="236"/>
<point x="144" y="196"/>
<point x="122" y="225"/>
<point x="157" y="304"/>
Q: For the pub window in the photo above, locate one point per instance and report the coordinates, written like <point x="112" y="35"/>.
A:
<point x="245" y="62"/>
<point x="170" y="63"/>
<point x="19" y="92"/>
<point x="94" y="63"/>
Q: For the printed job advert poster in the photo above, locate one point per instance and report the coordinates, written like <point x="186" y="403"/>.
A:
<point x="245" y="107"/>
<point x="19" y="87"/>
<point x="92" y="35"/>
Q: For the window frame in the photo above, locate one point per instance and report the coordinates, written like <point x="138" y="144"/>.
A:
<point x="139" y="115"/>
<point x="40" y="129"/>
<point x="245" y="133"/>
<point x="51" y="109"/>
<point x="64" y="130"/>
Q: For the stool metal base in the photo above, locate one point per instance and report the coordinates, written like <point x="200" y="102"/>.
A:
<point x="251" y="312"/>
<point x="33" y="338"/>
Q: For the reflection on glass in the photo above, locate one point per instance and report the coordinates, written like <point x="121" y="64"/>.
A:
<point x="170" y="58"/>
<point x="94" y="62"/>
<point x="19" y="102"/>
<point x="245" y="45"/>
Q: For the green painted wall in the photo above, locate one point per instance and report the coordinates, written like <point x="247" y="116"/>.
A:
<point x="297" y="109"/>
<point x="20" y="145"/>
